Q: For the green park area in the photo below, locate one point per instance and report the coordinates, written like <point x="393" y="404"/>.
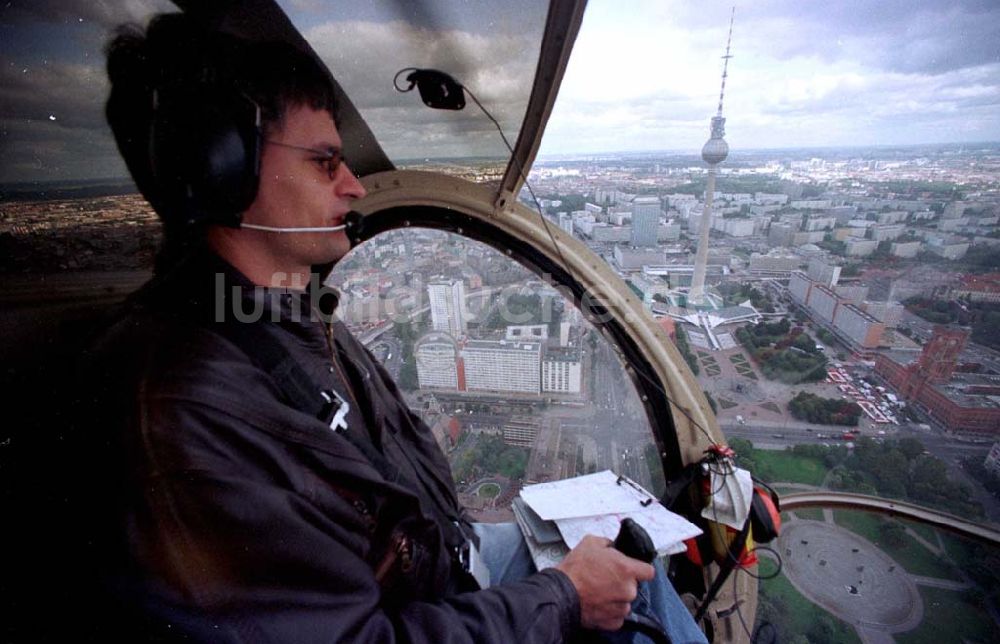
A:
<point x="488" y="491"/>
<point x="742" y="366"/>
<point x="785" y="353"/>
<point x="712" y="367"/>
<point x="808" y="514"/>
<point x="891" y="537"/>
<point x="950" y="616"/>
<point x="489" y="456"/>
<point x="726" y="404"/>
<point x="792" y="615"/>
<point x="894" y="469"/>
<point x="824" y="411"/>
<point x="775" y="466"/>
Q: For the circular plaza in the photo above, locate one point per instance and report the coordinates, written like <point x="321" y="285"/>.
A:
<point x="849" y="576"/>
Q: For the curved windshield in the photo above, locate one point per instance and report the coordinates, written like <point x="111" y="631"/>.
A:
<point x="490" y="48"/>
<point x="841" y="316"/>
<point x="517" y="385"/>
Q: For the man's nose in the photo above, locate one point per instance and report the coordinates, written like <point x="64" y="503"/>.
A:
<point x="348" y="185"/>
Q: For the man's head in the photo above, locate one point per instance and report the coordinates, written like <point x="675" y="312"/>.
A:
<point x="184" y="105"/>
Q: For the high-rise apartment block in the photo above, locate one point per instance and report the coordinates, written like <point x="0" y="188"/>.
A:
<point x="823" y="273"/>
<point x="502" y="366"/>
<point x="562" y="371"/>
<point x="437" y="364"/>
<point x="447" y="301"/>
<point x="645" y="220"/>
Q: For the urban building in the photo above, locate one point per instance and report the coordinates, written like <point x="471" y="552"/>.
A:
<point x="820" y="223"/>
<point x="780" y="235"/>
<point x="978" y="288"/>
<point x="532" y="332"/>
<point x="886" y="232"/>
<point x="447" y="302"/>
<point x="611" y="234"/>
<point x="896" y="217"/>
<point x="633" y="259"/>
<point x="823" y="273"/>
<point x="812" y="204"/>
<point x="774" y="264"/>
<point x="668" y="232"/>
<point x="800" y="287"/>
<point x="521" y="431"/>
<point x="566" y="222"/>
<point x="862" y="329"/>
<point x="437" y="362"/>
<point x="645" y="221"/>
<point x="823" y="302"/>
<point x="842" y="214"/>
<point x="960" y="403"/>
<point x="860" y="247"/>
<point x="889" y="313"/>
<point x="855" y="293"/>
<point x="736" y="227"/>
<point x="501" y="366"/>
<point x="562" y="371"/>
<point x="947" y="247"/>
<point x="905" y="249"/>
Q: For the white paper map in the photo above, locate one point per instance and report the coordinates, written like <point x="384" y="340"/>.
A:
<point x="666" y="529"/>
<point x="583" y="496"/>
<point x="597" y="503"/>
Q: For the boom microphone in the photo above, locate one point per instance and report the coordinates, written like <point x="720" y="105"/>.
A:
<point x="351" y="220"/>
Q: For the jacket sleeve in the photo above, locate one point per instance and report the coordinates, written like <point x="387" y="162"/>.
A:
<point x="217" y="531"/>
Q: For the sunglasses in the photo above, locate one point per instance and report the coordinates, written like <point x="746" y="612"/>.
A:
<point x="330" y="159"/>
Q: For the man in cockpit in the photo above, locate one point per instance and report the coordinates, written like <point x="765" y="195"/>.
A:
<point x="270" y="483"/>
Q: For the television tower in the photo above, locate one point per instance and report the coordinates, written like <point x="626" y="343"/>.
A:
<point x="713" y="153"/>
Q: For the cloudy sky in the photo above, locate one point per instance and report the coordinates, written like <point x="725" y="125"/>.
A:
<point x="644" y="74"/>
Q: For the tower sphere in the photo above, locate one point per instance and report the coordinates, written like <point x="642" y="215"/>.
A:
<point x="715" y="151"/>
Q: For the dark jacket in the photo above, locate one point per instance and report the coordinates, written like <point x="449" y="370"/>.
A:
<point x="232" y="515"/>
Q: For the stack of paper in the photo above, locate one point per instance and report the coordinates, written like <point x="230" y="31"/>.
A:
<point x="555" y="517"/>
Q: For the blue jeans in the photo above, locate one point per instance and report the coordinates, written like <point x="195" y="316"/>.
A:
<point x="505" y="554"/>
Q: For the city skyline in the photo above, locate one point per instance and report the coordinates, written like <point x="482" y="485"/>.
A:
<point x="643" y="80"/>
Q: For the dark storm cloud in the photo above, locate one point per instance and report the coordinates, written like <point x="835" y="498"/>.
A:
<point x="54" y="127"/>
<point x="73" y="94"/>
<point x="103" y="12"/>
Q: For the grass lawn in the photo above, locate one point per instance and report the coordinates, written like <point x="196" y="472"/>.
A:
<point x="810" y="514"/>
<point x="788" y="468"/>
<point x="923" y="530"/>
<point x="770" y="406"/>
<point x="949" y="618"/>
<point x="726" y="404"/>
<point x="798" y="613"/>
<point x="977" y="560"/>
<point x="488" y="491"/>
<point x="912" y="556"/>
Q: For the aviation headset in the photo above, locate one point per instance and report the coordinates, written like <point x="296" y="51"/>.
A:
<point x="204" y="140"/>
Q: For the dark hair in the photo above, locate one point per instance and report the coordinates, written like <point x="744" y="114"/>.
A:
<point x="176" y="51"/>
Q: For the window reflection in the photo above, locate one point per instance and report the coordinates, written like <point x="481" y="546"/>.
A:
<point x="516" y="385"/>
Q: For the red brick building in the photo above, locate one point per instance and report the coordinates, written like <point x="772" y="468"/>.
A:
<point x="963" y="403"/>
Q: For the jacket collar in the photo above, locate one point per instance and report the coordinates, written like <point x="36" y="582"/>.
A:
<point x="205" y="283"/>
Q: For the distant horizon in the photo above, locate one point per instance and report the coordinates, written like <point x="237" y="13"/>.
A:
<point x="111" y="180"/>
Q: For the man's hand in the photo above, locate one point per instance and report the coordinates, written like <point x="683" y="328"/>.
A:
<point x="606" y="581"/>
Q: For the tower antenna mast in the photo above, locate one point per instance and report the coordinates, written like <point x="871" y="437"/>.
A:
<point x="713" y="153"/>
<point x="726" y="57"/>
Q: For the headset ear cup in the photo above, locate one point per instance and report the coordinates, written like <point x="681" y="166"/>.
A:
<point x="205" y="154"/>
<point x="765" y="517"/>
